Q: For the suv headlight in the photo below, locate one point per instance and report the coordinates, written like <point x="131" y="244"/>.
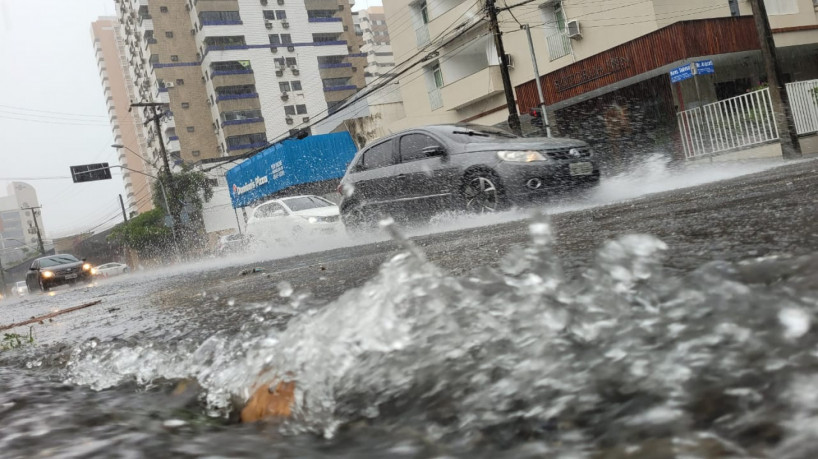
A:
<point x="47" y="274"/>
<point x="86" y="267"/>
<point x="521" y="156"/>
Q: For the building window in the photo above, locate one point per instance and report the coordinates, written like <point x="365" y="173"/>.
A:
<point x="174" y="58"/>
<point x="224" y="42"/>
<point x="296" y="85"/>
<point x="289" y="62"/>
<point x="283" y="39"/>
<point x="191" y="129"/>
<point x="169" y="34"/>
<point x="180" y="82"/>
<point x="163" y="9"/>
<point x="239" y="115"/>
<point x="289" y="109"/>
<point x="424" y="12"/>
<point x="284" y="86"/>
<point x="185" y="105"/>
<point x="219" y="17"/>
<point x="301" y="109"/>
<point x="438" y="75"/>
<point x="240" y="141"/>
<point x="196" y="153"/>
<point x="273" y="15"/>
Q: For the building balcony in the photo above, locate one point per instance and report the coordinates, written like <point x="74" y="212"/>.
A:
<point x="348" y="87"/>
<point x="464" y="92"/>
<point x="249" y="95"/>
<point x="244" y="121"/>
<point x="221" y="23"/>
<point x="248" y="146"/>
<point x="335" y="66"/>
<point x="173" y="144"/>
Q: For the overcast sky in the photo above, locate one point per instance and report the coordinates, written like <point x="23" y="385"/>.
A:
<point x="53" y="113"/>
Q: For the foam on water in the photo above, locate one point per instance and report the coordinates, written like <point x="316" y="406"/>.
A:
<point x="624" y="353"/>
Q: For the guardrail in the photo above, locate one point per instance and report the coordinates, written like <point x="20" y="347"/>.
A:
<point x="730" y="124"/>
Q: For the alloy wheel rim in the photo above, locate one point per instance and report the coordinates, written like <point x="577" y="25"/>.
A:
<point x="481" y="195"/>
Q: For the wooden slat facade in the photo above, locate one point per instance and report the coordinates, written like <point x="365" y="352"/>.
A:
<point x="682" y="40"/>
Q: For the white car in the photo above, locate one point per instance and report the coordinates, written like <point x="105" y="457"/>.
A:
<point x="293" y="217"/>
<point x="20" y="288"/>
<point x="111" y="269"/>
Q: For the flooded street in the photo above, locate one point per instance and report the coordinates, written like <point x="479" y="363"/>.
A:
<point x="669" y="313"/>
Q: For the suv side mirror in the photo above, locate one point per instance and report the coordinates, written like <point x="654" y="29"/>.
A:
<point x="434" y="151"/>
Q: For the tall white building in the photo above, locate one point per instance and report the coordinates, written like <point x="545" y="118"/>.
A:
<point x="18" y="222"/>
<point x="371" y="23"/>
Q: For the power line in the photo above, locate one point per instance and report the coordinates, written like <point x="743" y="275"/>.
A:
<point x="50" y="112"/>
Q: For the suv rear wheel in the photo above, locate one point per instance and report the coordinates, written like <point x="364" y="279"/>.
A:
<point x="482" y="192"/>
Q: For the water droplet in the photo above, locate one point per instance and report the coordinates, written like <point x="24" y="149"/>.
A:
<point x="285" y="289"/>
<point x="796" y="322"/>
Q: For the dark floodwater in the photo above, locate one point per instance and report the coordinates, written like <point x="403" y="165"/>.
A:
<point x="628" y="360"/>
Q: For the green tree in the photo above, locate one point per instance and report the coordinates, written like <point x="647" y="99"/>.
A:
<point x="146" y="233"/>
<point x="187" y="191"/>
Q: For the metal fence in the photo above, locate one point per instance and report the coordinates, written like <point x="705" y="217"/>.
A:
<point x="803" y="97"/>
<point x="730" y="124"/>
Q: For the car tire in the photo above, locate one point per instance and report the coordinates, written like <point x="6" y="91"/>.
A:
<point x="482" y="192"/>
<point x="43" y="286"/>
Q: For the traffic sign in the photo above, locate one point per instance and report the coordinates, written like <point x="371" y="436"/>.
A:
<point x="705" y="67"/>
<point x="90" y="172"/>
<point x="681" y="73"/>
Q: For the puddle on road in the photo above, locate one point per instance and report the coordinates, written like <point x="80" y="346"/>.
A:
<point x="628" y="359"/>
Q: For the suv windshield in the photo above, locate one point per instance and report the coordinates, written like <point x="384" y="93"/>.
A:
<point x="467" y="133"/>
<point x="305" y="203"/>
<point x="58" y="260"/>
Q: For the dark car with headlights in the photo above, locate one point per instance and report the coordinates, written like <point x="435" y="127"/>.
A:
<point x="54" y="270"/>
<point x="421" y="171"/>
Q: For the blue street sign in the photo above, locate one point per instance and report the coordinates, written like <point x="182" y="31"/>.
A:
<point x="705" y="67"/>
<point x="681" y="73"/>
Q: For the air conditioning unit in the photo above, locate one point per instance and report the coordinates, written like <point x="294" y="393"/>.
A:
<point x="285" y="24"/>
<point x="509" y="61"/>
<point x="574" y="30"/>
<point x="306" y="119"/>
<point x="263" y="2"/>
<point x="289" y="119"/>
<point x="280" y="2"/>
<point x="295" y="70"/>
<point x="284" y="96"/>
<point x="169" y="84"/>
<point x="273" y="49"/>
<point x="291" y="48"/>
<point x="279" y="72"/>
<point x="216" y="131"/>
<point x="268" y="24"/>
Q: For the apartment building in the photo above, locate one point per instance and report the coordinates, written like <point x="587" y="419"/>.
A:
<point x="238" y="74"/>
<point x="118" y="87"/>
<point x="604" y="69"/>
<point x="18" y="233"/>
<point x="371" y="25"/>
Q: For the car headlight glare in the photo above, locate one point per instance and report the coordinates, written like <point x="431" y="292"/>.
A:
<point x="47" y="274"/>
<point x="86" y="267"/>
<point x="521" y="156"/>
<point x="94" y="270"/>
<point x="312" y="220"/>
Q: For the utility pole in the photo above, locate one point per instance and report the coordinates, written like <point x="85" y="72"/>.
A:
<point x="778" y="93"/>
<point x="37" y="226"/>
<point x="156" y="122"/>
<point x="122" y="204"/>
<point x="537" y="79"/>
<point x="513" y="116"/>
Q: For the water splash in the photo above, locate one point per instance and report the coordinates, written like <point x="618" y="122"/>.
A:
<point x="623" y="353"/>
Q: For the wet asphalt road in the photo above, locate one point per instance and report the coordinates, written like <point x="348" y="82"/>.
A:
<point x="768" y="213"/>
